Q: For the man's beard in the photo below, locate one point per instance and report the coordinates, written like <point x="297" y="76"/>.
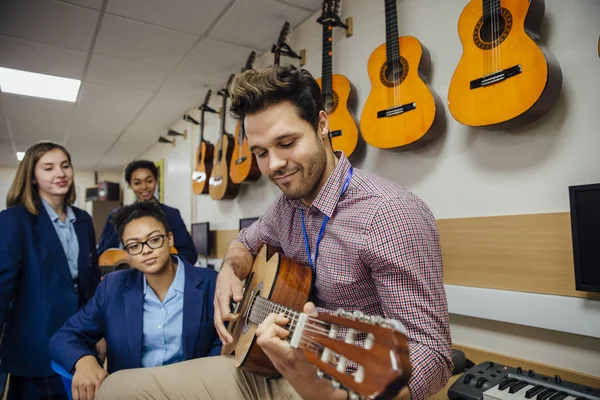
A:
<point x="314" y="172"/>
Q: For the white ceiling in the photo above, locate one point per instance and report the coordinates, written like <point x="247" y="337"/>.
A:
<point x="143" y="64"/>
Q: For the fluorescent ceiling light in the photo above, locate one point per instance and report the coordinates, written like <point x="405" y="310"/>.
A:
<point x="20" y="155"/>
<point x="38" y="85"/>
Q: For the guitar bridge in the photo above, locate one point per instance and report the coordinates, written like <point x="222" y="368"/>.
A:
<point x="199" y="176"/>
<point x="390" y="112"/>
<point x="496" y="77"/>
<point x="240" y="160"/>
<point x="337" y="133"/>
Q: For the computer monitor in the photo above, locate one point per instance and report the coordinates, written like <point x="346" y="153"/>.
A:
<point x="246" y="222"/>
<point x="201" y="237"/>
<point x="585" y="233"/>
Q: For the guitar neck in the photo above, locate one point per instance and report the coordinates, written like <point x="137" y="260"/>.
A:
<point x="392" y="47"/>
<point x="262" y="307"/>
<point x="201" y="128"/>
<point x="327" y="66"/>
<point x="490" y="7"/>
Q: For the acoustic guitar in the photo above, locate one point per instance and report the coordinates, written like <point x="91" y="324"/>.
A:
<point x="116" y="259"/>
<point x="401" y="110"/>
<point x="204" y="153"/>
<point x="220" y="186"/>
<point x="277" y="284"/>
<point x="243" y="166"/>
<point x="505" y="77"/>
<point x="335" y="88"/>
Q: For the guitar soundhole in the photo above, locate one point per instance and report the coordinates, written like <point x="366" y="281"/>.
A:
<point x="331" y="102"/>
<point x="393" y="72"/>
<point x="492" y="30"/>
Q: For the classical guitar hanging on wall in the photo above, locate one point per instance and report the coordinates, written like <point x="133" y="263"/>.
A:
<point x="336" y="88"/>
<point x="505" y="77"/>
<point x="401" y="110"/>
<point x="243" y="165"/>
<point x="204" y="153"/>
<point x="220" y="186"/>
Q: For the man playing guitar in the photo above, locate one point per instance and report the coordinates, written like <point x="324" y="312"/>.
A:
<point x="373" y="246"/>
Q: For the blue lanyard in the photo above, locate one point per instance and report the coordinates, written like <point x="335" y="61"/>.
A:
<point x="323" y="225"/>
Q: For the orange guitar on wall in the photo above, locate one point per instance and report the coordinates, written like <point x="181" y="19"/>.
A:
<point x="220" y="186"/>
<point x="401" y="110"/>
<point x="335" y="87"/>
<point x="505" y="77"/>
<point x="243" y="165"/>
<point x="204" y="153"/>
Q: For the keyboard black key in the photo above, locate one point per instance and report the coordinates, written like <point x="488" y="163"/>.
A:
<point x="518" y="386"/>
<point x="507" y="383"/>
<point x="559" y="396"/>
<point x="533" y="391"/>
<point x="545" y="394"/>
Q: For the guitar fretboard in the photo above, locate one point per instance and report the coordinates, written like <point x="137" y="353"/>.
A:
<point x="262" y="307"/>
<point x="490" y="7"/>
<point x="327" y="67"/>
<point x="392" y="47"/>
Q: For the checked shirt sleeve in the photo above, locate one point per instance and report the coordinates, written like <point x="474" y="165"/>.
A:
<point x="402" y="250"/>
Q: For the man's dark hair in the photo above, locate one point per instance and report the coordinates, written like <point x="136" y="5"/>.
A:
<point x="137" y="210"/>
<point x="140" y="164"/>
<point x="253" y="91"/>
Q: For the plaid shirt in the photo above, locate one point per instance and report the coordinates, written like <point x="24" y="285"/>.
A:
<point x="380" y="254"/>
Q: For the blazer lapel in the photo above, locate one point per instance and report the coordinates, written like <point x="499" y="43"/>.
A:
<point x="49" y="237"/>
<point x="134" y="313"/>
<point x="193" y="305"/>
<point x="83" y="259"/>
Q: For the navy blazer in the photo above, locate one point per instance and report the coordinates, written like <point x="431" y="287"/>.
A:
<point x="183" y="241"/>
<point x="35" y="277"/>
<point x="116" y="313"/>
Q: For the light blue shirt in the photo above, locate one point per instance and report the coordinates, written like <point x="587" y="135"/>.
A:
<point x="68" y="237"/>
<point x="162" y="341"/>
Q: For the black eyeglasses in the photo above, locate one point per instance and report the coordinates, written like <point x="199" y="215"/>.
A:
<point x="154" y="242"/>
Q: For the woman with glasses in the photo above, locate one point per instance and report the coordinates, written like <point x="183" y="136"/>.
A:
<point x="157" y="313"/>
<point x="142" y="178"/>
<point x="48" y="268"/>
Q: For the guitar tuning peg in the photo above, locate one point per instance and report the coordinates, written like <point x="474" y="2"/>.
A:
<point x="320" y="374"/>
<point x="335" y="384"/>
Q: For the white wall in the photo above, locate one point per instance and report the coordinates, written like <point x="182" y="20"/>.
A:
<point x="467" y="172"/>
<point x="6" y="177"/>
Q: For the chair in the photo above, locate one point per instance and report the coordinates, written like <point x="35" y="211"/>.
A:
<point x="66" y="378"/>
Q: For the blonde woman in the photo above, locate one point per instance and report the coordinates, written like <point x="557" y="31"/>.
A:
<point x="48" y="268"/>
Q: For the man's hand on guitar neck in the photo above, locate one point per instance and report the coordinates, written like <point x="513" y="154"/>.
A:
<point x="236" y="266"/>
<point x="290" y="362"/>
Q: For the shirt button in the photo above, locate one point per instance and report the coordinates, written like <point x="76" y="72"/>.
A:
<point x="159" y="326"/>
<point x="162" y="309"/>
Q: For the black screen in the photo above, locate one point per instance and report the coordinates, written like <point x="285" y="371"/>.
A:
<point x="585" y="224"/>
<point x="246" y="222"/>
<point x="201" y="237"/>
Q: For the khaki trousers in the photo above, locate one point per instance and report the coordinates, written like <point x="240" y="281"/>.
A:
<point x="202" y="378"/>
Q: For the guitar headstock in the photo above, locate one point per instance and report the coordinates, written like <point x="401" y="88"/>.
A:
<point x="250" y="61"/>
<point x="284" y="33"/>
<point x="331" y="8"/>
<point x="383" y="364"/>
